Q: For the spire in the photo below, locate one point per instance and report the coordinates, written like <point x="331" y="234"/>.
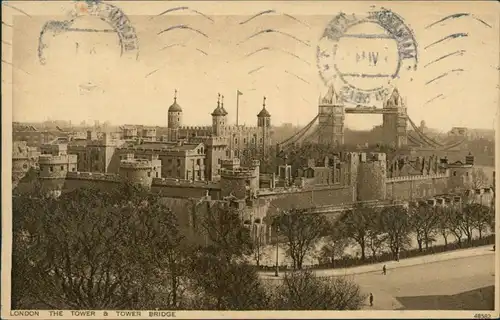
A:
<point x="222" y="106"/>
<point x="330" y="97"/>
<point x="264" y="113"/>
<point x="218" y="111"/>
<point x="175" y="107"/>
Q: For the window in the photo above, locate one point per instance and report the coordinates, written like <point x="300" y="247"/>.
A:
<point x="73" y="169"/>
<point x="454" y="173"/>
<point x="51" y="168"/>
<point x="467" y="173"/>
<point x="227" y="153"/>
<point x="198" y="162"/>
<point x="260" y="140"/>
<point x="235" y="140"/>
<point x="149" y="174"/>
<point x="244" y="140"/>
<point x="157" y="174"/>
<point x="62" y="168"/>
<point x="25" y="166"/>
<point x="218" y="161"/>
<point x="178" y="162"/>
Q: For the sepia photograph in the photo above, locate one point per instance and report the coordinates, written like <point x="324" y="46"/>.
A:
<point x="249" y="159"/>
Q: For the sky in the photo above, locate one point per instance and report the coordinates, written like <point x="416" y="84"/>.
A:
<point x="219" y="55"/>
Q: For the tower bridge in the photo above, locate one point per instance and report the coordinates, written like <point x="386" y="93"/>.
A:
<point x="327" y="127"/>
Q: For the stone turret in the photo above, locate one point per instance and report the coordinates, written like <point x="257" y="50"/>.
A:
<point x="219" y="120"/>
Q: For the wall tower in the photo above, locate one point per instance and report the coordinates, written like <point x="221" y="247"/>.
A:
<point x="264" y="125"/>
<point x="395" y="124"/>
<point x="331" y="119"/>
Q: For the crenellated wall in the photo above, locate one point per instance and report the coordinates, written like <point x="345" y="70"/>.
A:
<point x="415" y="187"/>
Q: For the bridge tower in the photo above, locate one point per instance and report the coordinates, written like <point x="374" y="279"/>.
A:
<point x="331" y="119"/>
<point x="395" y="124"/>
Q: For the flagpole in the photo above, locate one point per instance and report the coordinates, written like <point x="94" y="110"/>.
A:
<point x="237" y="105"/>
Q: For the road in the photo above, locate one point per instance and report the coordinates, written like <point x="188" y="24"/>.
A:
<point x="406" y="287"/>
<point x="434" y="282"/>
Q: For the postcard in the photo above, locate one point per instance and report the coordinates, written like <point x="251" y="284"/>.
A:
<point x="249" y="159"/>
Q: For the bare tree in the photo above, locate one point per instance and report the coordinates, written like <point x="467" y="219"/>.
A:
<point x="356" y="224"/>
<point x="376" y="239"/>
<point x="81" y="251"/>
<point x="221" y="284"/>
<point x="461" y="223"/>
<point x="423" y="222"/>
<point x="302" y="290"/>
<point x="479" y="179"/>
<point x="226" y="232"/>
<point x="334" y="247"/>
<point x="396" y="225"/>
<point x="443" y="223"/>
<point x="480" y="216"/>
<point x="302" y="231"/>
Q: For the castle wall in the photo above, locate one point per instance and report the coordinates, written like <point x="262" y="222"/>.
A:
<point x="415" y="187"/>
<point x="277" y="200"/>
<point x="185" y="189"/>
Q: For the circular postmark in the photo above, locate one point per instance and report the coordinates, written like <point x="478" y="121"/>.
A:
<point x="362" y="55"/>
<point x="111" y="14"/>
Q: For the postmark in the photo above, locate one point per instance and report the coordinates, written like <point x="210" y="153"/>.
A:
<point x="362" y="55"/>
<point x="111" y="14"/>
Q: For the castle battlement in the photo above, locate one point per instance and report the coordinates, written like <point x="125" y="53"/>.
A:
<point x="418" y="177"/>
<point x="238" y="173"/>
<point x="295" y="189"/>
<point x="214" y="141"/>
<point x="94" y="176"/>
<point x="136" y="164"/>
<point x="195" y="128"/>
<point x="245" y="129"/>
<point x="184" y="183"/>
<point x="48" y="159"/>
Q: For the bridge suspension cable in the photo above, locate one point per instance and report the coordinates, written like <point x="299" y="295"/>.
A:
<point x="298" y="134"/>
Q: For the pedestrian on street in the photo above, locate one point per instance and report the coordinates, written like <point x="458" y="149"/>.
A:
<point x="384" y="270"/>
<point x="371" y="300"/>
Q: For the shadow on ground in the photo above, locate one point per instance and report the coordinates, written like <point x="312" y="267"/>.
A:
<point x="479" y="299"/>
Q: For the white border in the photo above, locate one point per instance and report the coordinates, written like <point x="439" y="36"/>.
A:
<point x="36" y="8"/>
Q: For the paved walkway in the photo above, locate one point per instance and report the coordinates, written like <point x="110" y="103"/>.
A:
<point x="377" y="267"/>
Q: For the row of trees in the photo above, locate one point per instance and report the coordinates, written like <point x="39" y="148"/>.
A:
<point x="124" y="249"/>
<point x="376" y="230"/>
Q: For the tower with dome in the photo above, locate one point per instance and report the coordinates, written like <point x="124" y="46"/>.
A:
<point x="246" y="143"/>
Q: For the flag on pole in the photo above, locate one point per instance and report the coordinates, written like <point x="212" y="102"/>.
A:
<point x="240" y="93"/>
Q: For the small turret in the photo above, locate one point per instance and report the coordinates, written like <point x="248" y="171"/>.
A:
<point x="264" y="117"/>
<point x="174" y="114"/>
<point x="218" y="119"/>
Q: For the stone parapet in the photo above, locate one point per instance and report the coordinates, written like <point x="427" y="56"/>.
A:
<point x="418" y="177"/>
<point x="94" y="176"/>
<point x="238" y="173"/>
<point x="185" y="183"/>
<point x="62" y="159"/>
<point x="289" y="190"/>
<point x="135" y="164"/>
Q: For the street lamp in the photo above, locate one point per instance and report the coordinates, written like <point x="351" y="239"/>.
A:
<point x="276" y="272"/>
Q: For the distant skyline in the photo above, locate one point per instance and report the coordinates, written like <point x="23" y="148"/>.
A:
<point x="90" y="82"/>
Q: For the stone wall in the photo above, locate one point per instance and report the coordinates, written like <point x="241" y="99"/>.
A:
<point x="305" y="198"/>
<point x="410" y="188"/>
